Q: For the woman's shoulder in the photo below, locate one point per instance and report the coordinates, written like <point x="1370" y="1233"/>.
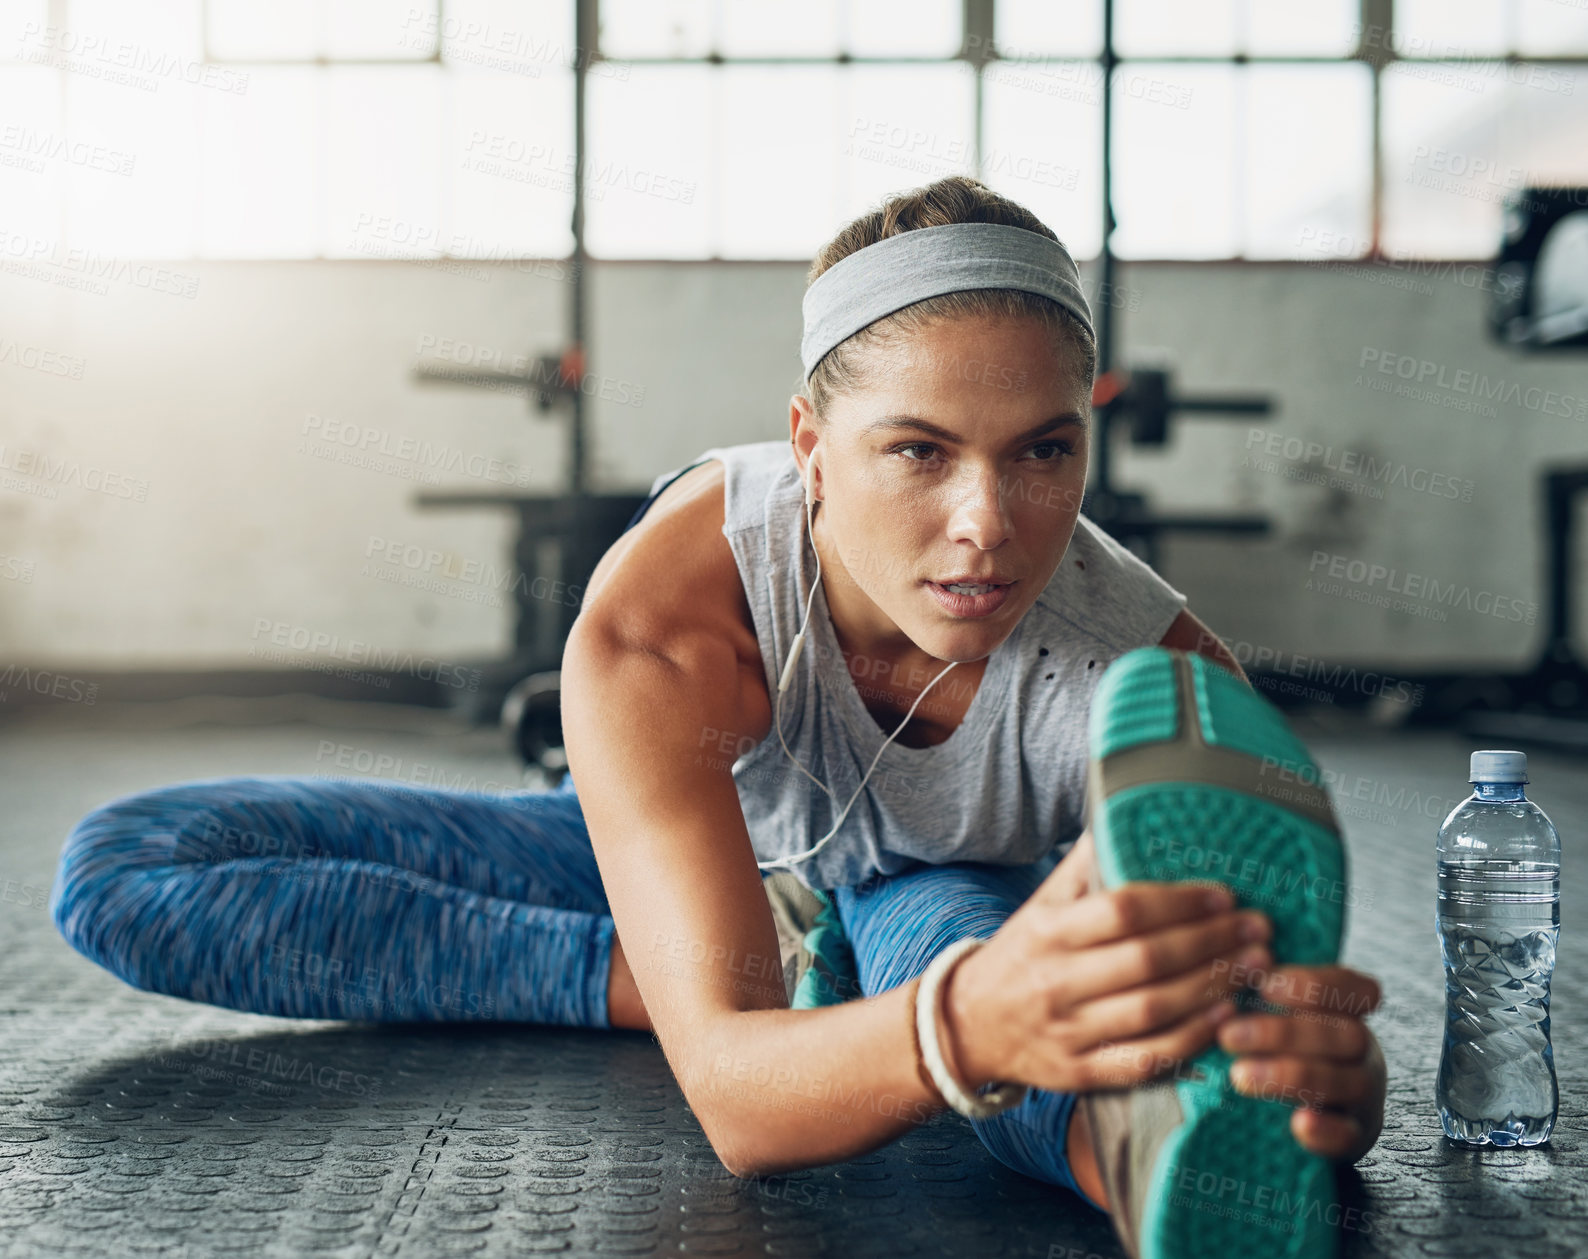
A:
<point x="671" y="583"/>
<point x="756" y="474"/>
<point x="674" y="561"/>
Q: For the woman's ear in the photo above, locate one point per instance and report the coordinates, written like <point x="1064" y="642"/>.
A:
<point x="801" y="416"/>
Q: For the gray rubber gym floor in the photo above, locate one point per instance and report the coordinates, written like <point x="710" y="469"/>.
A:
<point x="132" y="1123"/>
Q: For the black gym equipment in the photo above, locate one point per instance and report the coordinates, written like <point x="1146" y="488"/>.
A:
<point x="1141" y="402"/>
<point x="561" y="538"/>
<point x="1538" y="304"/>
<point x="1539" y="298"/>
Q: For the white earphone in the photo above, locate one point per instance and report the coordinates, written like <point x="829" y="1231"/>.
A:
<point x="788" y="674"/>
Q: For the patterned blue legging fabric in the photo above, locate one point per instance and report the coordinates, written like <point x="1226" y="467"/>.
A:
<point x="352" y="899"/>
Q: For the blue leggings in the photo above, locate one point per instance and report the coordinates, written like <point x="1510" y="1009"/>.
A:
<point x="327" y="898"/>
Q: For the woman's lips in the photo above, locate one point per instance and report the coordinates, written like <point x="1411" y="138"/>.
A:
<point x="970" y="606"/>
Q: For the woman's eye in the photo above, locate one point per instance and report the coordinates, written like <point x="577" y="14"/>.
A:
<point x="1062" y="451"/>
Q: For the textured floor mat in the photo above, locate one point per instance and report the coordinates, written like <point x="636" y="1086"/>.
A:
<point x="132" y="1123"/>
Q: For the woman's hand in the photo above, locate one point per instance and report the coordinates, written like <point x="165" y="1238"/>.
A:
<point x="1320" y="1056"/>
<point x="1082" y="990"/>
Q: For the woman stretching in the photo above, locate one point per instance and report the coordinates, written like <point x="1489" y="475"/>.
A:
<point x="757" y="716"/>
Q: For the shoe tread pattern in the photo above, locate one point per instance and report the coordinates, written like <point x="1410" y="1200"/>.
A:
<point x="1231" y="1181"/>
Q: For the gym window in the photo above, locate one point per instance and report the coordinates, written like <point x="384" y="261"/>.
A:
<point x="745" y="129"/>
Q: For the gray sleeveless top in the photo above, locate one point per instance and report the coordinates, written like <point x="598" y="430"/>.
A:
<point x="1007" y="786"/>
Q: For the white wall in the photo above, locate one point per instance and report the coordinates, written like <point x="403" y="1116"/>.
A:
<point x="205" y="399"/>
<point x="1314" y="337"/>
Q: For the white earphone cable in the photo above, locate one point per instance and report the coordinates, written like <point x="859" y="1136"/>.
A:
<point x="793" y="655"/>
<point x="783" y="684"/>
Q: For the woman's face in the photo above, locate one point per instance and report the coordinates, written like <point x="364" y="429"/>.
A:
<point x="965" y="458"/>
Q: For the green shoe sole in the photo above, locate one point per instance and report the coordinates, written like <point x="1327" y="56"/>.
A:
<point x="832" y="976"/>
<point x="1195" y="776"/>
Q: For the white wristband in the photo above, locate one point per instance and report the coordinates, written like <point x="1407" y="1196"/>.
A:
<point x="982" y="1105"/>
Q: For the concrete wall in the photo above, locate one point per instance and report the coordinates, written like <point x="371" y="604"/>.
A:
<point x="175" y="491"/>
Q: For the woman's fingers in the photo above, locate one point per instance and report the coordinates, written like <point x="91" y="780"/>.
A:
<point x="1335" y="1037"/>
<point x="1070" y="878"/>
<point x="1122" y="1064"/>
<point x="1136" y="1011"/>
<point x="1171" y="952"/>
<point x="1309" y="1082"/>
<point x="1327" y="1133"/>
<point x="1135" y="909"/>
<point x="1127" y="983"/>
<point x="1337" y="990"/>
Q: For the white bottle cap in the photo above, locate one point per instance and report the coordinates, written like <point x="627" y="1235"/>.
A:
<point x="1498" y="767"/>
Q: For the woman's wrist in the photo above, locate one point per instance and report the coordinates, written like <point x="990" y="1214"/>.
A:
<point x="959" y="1028"/>
<point x="912" y="993"/>
<point x="932" y="1030"/>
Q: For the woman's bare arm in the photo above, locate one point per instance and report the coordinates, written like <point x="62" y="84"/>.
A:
<point x="663" y="686"/>
<point x="773" y="1088"/>
<point x="1187" y="632"/>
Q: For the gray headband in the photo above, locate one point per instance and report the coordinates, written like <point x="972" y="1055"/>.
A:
<point x="901" y="270"/>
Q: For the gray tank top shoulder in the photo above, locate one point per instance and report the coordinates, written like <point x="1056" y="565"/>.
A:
<point x="1007" y="787"/>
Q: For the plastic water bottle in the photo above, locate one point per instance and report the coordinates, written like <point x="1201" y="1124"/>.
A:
<point x="1498" y="919"/>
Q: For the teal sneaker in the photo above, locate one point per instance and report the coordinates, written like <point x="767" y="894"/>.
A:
<point x="1194" y="776"/>
<point x="832" y="977"/>
<point x="819" y="965"/>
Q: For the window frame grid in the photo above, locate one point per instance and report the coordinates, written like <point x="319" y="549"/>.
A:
<point x="1375" y="46"/>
